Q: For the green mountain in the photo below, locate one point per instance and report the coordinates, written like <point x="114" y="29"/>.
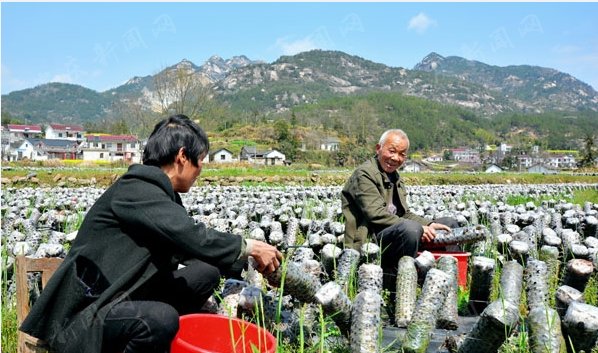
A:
<point x="258" y="88"/>
<point x="57" y="103"/>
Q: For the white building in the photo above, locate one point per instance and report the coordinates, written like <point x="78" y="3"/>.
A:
<point x="112" y="148"/>
<point x="412" y="166"/>
<point x="494" y="169"/>
<point x="18" y="132"/>
<point x="435" y="158"/>
<point x="330" y="144"/>
<point x="561" y="161"/>
<point x="253" y="155"/>
<point x="44" y="149"/>
<point x="525" y="161"/>
<point x="221" y="155"/>
<point x="65" y="132"/>
<point x="23" y="149"/>
<point x="540" y="169"/>
<point x="466" y="155"/>
<point x="504" y="148"/>
<point x="274" y="157"/>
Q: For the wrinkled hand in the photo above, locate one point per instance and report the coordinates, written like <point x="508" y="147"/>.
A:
<point x="266" y="255"/>
<point x="430" y="231"/>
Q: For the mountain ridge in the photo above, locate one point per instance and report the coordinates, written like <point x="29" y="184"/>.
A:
<point x="317" y="75"/>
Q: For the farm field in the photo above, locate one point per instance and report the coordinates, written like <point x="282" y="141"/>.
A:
<point x="63" y="174"/>
<point x="298" y="210"/>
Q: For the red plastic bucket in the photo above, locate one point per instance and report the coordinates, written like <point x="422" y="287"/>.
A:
<point x="462" y="261"/>
<point x="211" y="333"/>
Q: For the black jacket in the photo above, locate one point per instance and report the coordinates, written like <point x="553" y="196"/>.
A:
<point x="133" y="231"/>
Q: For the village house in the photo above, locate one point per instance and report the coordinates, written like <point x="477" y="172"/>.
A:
<point x="43" y="149"/>
<point x="253" y="155"/>
<point x="65" y="132"/>
<point x="435" y="158"/>
<point x="541" y="169"/>
<point x="561" y="161"/>
<point x="504" y="148"/>
<point x="412" y="166"/>
<point x="5" y="142"/>
<point x="221" y="155"/>
<point x="330" y="144"/>
<point x="22" y="149"/>
<point x="525" y="161"/>
<point x="494" y="169"/>
<point x="18" y="132"/>
<point x="465" y="155"/>
<point x="111" y="148"/>
<point x="274" y="157"/>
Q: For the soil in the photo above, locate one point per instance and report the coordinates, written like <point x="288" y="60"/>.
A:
<point x="392" y="336"/>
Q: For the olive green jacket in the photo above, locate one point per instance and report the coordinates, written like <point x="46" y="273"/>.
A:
<point x="365" y="199"/>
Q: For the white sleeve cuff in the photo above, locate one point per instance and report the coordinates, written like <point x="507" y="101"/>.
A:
<point x="248" y="247"/>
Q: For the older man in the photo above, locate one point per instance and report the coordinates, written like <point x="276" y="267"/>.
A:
<point x="374" y="202"/>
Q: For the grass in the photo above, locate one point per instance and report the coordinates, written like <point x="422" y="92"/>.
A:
<point x="258" y="174"/>
<point x="9" y="312"/>
<point x="578" y="197"/>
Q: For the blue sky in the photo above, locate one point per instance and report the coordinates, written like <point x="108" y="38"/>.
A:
<point x="101" y="45"/>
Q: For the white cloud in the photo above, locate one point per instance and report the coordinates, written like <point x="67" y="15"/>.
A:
<point x="96" y="73"/>
<point x="318" y="39"/>
<point x="9" y="82"/>
<point x="291" y="48"/>
<point x="566" y="49"/>
<point x="421" y="23"/>
<point x="63" y="78"/>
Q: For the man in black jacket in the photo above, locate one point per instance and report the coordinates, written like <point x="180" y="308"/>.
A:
<point x="120" y="287"/>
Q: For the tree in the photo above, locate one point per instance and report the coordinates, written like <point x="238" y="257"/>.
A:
<point x="8" y="119"/>
<point x="365" y="117"/>
<point x="590" y="153"/>
<point x="282" y="129"/>
<point x="510" y="162"/>
<point x="133" y="117"/>
<point x="120" y="128"/>
<point x="181" y="90"/>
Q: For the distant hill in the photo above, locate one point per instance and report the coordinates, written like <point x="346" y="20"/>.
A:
<point x="56" y="103"/>
<point x="533" y="89"/>
<point x="315" y="76"/>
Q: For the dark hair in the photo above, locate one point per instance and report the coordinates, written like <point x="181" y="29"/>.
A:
<point x="172" y="134"/>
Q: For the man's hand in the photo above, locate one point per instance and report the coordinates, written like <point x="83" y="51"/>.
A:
<point x="430" y="231"/>
<point x="266" y="255"/>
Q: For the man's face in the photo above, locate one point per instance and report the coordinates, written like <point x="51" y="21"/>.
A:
<point x="188" y="174"/>
<point x="392" y="154"/>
